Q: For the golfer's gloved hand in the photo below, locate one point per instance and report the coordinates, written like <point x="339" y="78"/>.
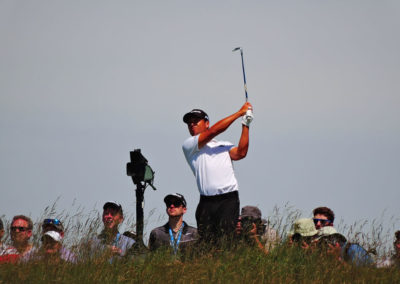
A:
<point x="247" y="118"/>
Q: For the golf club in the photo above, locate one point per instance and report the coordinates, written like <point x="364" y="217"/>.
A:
<point x="244" y="74"/>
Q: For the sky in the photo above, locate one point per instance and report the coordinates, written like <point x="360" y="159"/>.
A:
<point x="83" y="83"/>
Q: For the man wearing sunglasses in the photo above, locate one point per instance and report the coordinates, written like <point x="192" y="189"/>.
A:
<point x="21" y="248"/>
<point x="323" y="217"/>
<point x="176" y="234"/>
<point x="211" y="163"/>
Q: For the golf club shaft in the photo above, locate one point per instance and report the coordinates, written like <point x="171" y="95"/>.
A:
<point x="244" y="75"/>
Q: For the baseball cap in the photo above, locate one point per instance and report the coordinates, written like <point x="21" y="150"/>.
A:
<point x="251" y="211"/>
<point x="173" y="197"/>
<point x="305" y="227"/>
<point x="198" y="113"/>
<point x="113" y="204"/>
<point x="54" y="235"/>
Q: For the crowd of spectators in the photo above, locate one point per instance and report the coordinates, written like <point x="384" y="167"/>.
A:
<point x="178" y="237"/>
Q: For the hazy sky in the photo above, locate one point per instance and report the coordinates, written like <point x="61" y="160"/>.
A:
<point x="82" y="83"/>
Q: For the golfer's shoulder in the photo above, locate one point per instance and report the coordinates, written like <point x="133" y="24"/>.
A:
<point x="190" y="143"/>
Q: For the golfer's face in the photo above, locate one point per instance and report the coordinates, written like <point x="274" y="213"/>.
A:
<point x="197" y="126"/>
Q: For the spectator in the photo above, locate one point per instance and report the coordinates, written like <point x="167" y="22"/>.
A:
<point x="176" y="233"/>
<point x="21" y="248"/>
<point x="352" y="253"/>
<point x="110" y="243"/>
<point x="250" y="227"/>
<point x="52" y="248"/>
<point x="323" y="217"/>
<point x="52" y="237"/>
<point x="396" y="244"/>
<point x="53" y="225"/>
<point x="332" y="244"/>
<point x="211" y="163"/>
<point x="304" y="233"/>
<point x="1" y="234"/>
<point x="21" y="233"/>
<point x="393" y="260"/>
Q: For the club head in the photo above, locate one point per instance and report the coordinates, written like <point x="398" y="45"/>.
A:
<point x="237" y="48"/>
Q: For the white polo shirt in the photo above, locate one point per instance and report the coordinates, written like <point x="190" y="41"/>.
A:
<point x="211" y="165"/>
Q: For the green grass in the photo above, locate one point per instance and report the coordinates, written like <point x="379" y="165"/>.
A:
<point x="241" y="265"/>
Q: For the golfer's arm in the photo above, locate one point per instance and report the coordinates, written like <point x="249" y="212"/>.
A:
<point x="239" y="152"/>
<point x="217" y="128"/>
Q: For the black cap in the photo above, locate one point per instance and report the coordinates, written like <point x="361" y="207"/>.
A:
<point x="113" y="204"/>
<point x="175" y="196"/>
<point x="198" y="113"/>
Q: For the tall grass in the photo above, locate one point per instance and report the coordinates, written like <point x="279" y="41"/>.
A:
<point x="242" y="264"/>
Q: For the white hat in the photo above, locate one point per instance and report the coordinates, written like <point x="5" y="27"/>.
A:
<point x="54" y="235"/>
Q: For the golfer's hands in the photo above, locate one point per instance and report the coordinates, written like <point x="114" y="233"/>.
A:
<point x="247" y="118"/>
<point x="245" y="108"/>
<point x="247" y="114"/>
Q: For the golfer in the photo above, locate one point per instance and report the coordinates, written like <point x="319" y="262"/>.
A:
<point x="211" y="164"/>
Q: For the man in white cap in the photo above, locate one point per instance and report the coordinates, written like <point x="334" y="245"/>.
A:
<point x="53" y="235"/>
<point x="176" y="234"/>
<point x="111" y="242"/>
<point x="52" y="248"/>
<point x="211" y="163"/>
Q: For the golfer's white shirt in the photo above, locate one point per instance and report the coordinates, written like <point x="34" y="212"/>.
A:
<point x="211" y="165"/>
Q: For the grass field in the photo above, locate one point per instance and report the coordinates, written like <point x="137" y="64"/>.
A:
<point x="243" y="264"/>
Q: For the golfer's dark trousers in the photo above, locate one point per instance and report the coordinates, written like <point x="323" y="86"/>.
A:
<point x="217" y="216"/>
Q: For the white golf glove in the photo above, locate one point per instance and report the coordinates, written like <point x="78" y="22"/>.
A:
<point x="247" y="118"/>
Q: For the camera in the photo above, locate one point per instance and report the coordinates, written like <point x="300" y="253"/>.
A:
<point x="247" y="225"/>
<point x="139" y="169"/>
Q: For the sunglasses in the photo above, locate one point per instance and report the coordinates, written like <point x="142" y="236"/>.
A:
<point x="52" y="221"/>
<point x="194" y="120"/>
<point x="20" y="229"/>
<point x="322" y="221"/>
<point x="175" y="203"/>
